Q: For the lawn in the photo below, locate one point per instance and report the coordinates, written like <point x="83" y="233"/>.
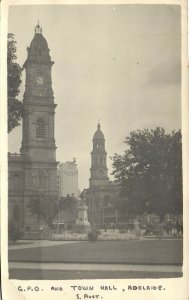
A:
<point x="19" y="243"/>
<point x="28" y="274"/>
<point x="130" y="252"/>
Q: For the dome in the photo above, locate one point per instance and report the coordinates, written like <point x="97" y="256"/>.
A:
<point x="38" y="50"/>
<point x="38" y="39"/>
<point x="98" y="134"/>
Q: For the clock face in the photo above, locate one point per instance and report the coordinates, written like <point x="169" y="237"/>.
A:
<point x="39" y="80"/>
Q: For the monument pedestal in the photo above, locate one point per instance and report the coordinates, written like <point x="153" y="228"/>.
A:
<point x="82" y="222"/>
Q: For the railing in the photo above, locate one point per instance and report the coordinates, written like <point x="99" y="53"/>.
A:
<point x="15" y="156"/>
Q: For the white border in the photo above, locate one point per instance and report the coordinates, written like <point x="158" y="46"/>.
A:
<point x="175" y="288"/>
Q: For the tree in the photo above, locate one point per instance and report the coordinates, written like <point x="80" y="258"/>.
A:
<point x="47" y="207"/>
<point x="68" y="206"/>
<point x="67" y="203"/>
<point x="44" y="206"/>
<point x="150" y="173"/>
<point x="15" y="107"/>
<point x="92" y="236"/>
<point x="14" y="231"/>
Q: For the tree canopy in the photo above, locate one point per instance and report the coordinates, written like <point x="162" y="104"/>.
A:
<point x="67" y="203"/>
<point x="44" y="206"/>
<point x="47" y="207"/>
<point x="14" y="72"/>
<point x="150" y="173"/>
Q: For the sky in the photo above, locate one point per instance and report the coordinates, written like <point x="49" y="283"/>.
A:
<point x="117" y="63"/>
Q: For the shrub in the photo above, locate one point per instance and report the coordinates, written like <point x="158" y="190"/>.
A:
<point x="14" y="231"/>
<point x="28" y="228"/>
<point x="92" y="236"/>
<point x="78" y="231"/>
<point x="97" y="231"/>
<point x="122" y="231"/>
<point x="70" y="226"/>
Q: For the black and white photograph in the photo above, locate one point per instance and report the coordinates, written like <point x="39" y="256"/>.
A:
<point x="95" y="184"/>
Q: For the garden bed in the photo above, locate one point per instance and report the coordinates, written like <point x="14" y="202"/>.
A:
<point x="106" y="236"/>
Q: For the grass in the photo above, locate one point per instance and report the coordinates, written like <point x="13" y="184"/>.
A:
<point x="130" y="252"/>
<point x="20" y="243"/>
<point x="28" y="274"/>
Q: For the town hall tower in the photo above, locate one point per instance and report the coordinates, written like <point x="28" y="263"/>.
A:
<point x="99" y="171"/>
<point x="101" y="194"/>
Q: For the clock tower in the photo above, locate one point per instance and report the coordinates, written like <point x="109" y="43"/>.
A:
<point x="99" y="171"/>
<point x="38" y="142"/>
<point x="101" y="194"/>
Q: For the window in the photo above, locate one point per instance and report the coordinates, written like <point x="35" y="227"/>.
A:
<point x="38" y="52"/>
<point x="107" y="201"/>
<point x="16" y="213"/>
<point x="95" y="161"/>
<point x="40" y="128"/>
<point x="16" y="182"/>
<point x="41" y="180"/>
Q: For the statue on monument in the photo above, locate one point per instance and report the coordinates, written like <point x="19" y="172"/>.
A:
<point x="82" y="222"/>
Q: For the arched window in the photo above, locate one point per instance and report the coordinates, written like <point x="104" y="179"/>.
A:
<point x="16" y="182"/>
<point x="96" y="161"/>
<point x="106" y="200"/>
<point x="38" y="52"/>
<point x="16" y="213"/>
<point x="41" y="179"/>
<point x="40" y="128"/>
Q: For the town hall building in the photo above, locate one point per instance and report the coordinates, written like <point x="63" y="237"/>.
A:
<point x="34" y="169"/>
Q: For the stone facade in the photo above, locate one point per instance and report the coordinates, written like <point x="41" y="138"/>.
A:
<point x="15" y="187"/>
<point x="35" y="168"/>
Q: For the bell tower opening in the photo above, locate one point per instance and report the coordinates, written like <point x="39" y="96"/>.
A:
<point x="40" y="128"/>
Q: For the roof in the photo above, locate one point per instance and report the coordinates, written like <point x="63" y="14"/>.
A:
<point x="39" y="41"/>
<point x="98" y="134"/>
<point x="38" y="50"/>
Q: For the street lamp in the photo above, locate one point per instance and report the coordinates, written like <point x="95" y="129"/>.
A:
<point x="147" y="204"/>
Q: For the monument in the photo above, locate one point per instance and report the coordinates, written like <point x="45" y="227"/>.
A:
<point x="82" y="222"/>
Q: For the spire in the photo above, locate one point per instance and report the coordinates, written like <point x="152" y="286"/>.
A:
<point x="38" y="29"/>
<point x="98" y="126"/>
<point x="38" y="50"/>
<point x="98" y="134"/>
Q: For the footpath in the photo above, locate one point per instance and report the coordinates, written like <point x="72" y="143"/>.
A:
<point x="38" y="243"/>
